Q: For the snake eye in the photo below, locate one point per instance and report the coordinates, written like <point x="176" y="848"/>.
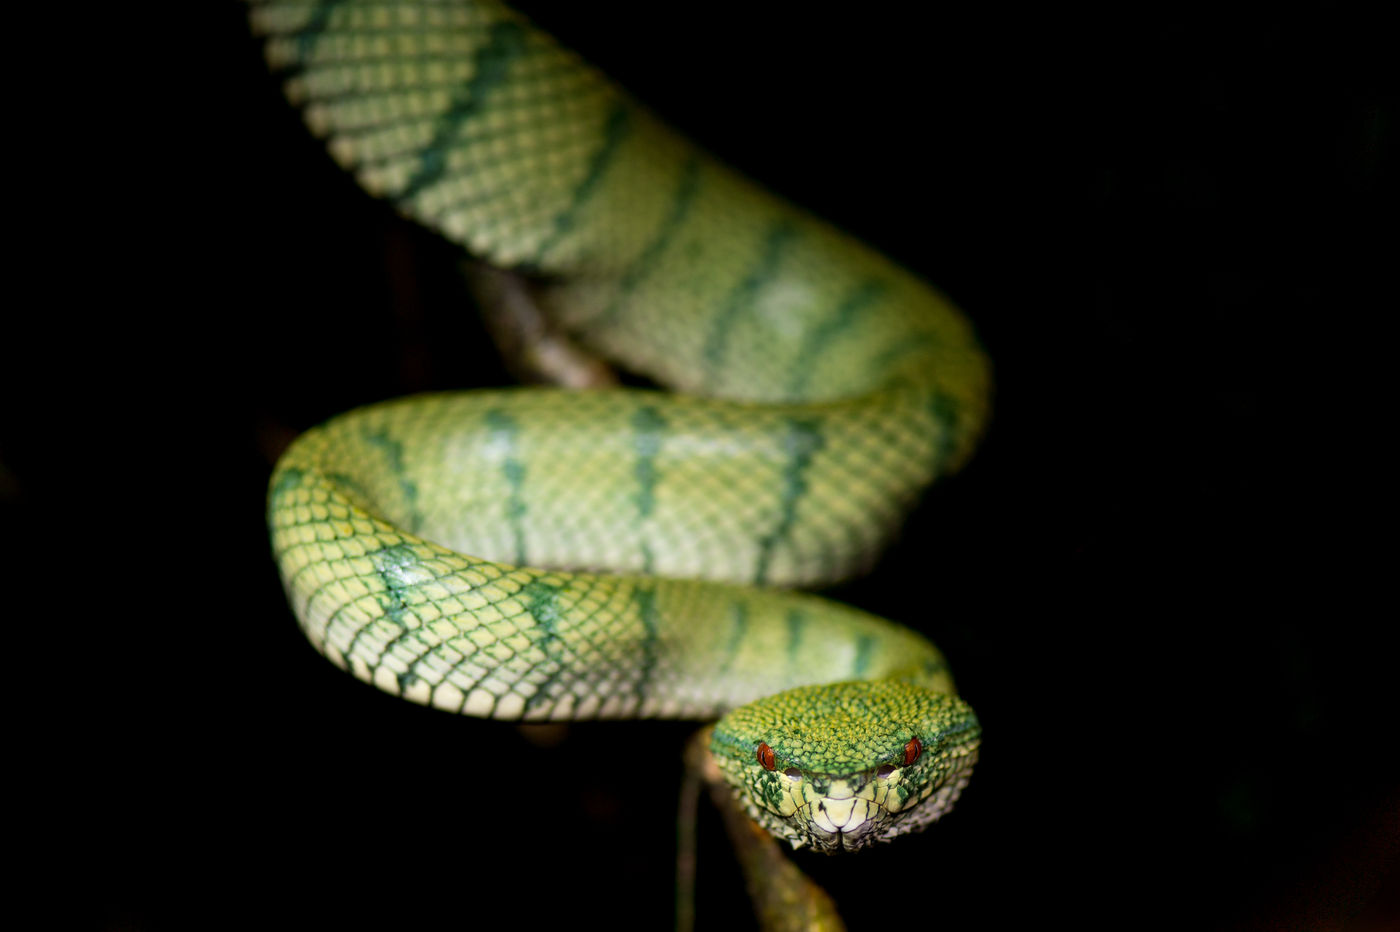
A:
<point x="912" y="750"/>
<point x="765" y="756"/>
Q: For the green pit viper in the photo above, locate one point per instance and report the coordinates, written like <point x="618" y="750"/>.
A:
<point x="540" y="553"/>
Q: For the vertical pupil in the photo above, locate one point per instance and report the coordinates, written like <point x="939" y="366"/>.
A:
<point x="912" y="750"/>
<point x="765" y="756"/>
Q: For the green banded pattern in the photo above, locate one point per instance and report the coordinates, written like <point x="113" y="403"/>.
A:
<point x="544" y="554"/>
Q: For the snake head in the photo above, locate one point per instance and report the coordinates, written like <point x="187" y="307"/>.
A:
<point x="844" y="765"/>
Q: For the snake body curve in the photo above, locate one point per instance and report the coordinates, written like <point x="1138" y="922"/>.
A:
<point x="546" y="554"/>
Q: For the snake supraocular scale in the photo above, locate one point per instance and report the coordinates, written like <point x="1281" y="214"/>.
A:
<point x="538" y="553"/>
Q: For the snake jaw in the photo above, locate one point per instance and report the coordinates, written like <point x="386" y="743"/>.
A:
<point x="832" y="814"/>
<point x="904" y="773"/>
<point x="827" y="813"/>
<point x="844" y="817"/>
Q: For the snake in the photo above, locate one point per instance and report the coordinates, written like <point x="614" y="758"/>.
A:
<point x="543" y="553"/>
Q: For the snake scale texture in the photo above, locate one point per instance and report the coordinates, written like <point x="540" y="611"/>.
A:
<point x="538" y="553"/>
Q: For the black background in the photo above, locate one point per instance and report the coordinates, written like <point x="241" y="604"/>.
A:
<point x="1156" y="581"/>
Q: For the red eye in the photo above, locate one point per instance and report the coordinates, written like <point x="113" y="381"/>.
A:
<point x="765" y="756"/>
<point x="912" y="750"/>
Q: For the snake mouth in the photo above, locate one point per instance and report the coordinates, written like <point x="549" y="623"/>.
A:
<point x="836" y="824"/>
<point x="846" y="823"/>
<point x="846" y="843"/>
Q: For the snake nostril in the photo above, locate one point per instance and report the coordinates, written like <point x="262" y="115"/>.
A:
<point x="885" y="771"/>
<point x="792" y="773"/>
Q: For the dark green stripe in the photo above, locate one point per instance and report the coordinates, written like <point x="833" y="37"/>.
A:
<point x="800" y="443"/>
<point x="389" y="564"/>
<point x="819" y="337"/>
<point x="615" y="129"/>
<point x="405" y="633"/>
<point x="796" y="623"/>
<point x="505" y="42"/>
<point x="687" y="184"/>
<point x="905" y="346"/>
<point x="865" y="647"/>
<point x="644" y="597"/>
<point x="505" y="431"/>
<point x="393" y="454"/>
<point x="541" y="600"/>
<point x="946" y="415"/>
<point x="480" y="143"/>
<point x="648" y="429"/>
<point x="743" y="297"/>
<point x="739" y="626"/>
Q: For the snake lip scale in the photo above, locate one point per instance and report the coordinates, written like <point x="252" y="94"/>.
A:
<point x="549" y="554"/>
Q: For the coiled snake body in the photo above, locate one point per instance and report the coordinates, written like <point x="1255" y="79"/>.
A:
<point x="548" y="554"/>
